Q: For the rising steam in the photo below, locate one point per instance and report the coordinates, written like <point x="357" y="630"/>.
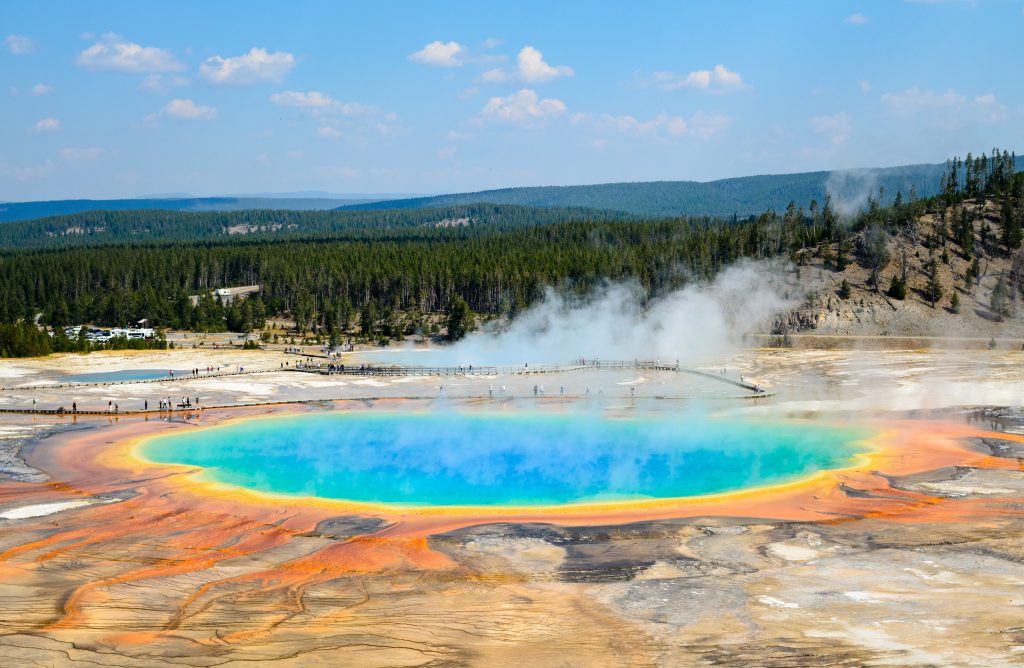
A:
<point x="695" y="324"/>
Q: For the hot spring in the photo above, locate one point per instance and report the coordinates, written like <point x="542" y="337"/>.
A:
<point x="494" y="459"/>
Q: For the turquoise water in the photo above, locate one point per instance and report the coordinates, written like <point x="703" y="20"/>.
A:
<point x="124" y="375"/>
<point x="447" y="459"/>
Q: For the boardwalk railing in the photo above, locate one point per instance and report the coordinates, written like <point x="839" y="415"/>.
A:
<point x="331" y="368"/>
<point x="138" y="381"/>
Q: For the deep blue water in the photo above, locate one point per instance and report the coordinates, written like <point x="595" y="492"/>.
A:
<point x="488" y="459"/>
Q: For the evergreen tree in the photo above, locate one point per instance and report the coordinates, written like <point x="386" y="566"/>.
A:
<point x="897" y="288"/>
<point x="1010" y="227"/>
<point x="460" y="319"/>
<point x="933" y="288"/>
<point x="875" y="252"/>
<point x="1000" y="299"/>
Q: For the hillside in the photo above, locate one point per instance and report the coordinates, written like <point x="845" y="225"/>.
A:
<point x="14" y="211"/>
<point x="97" y="228"/>
<point x="970" y="261"/>
<point x="749" y="195"/>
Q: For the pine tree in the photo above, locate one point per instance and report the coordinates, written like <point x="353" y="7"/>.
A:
<point x="1010" y="226"/>
<point x="954" y="302"/>
<point x="1000" y="300"/>
<point x="897" y="288"/>
<point x="875" y="250"/>
<point x="460" y="319"/>
<point x="933" y="288"/>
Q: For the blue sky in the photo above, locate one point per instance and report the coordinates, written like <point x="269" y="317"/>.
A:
<point x="121" y="99"/>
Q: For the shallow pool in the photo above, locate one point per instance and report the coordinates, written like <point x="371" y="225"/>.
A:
<point x="123" y="375"/>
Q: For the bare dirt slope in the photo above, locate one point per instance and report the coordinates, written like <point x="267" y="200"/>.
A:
<point x="869" y="311"/>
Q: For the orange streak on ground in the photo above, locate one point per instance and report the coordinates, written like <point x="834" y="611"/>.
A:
<point x="191" y="525"/>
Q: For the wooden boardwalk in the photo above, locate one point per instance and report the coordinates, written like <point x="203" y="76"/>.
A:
<point x="338" y="368"/>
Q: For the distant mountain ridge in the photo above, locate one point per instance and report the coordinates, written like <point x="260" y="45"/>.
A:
<point x="741" y="196"/>
<point x="14" y="211"/>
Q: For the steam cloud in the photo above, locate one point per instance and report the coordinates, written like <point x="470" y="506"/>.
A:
<point x="695" y="324"/>
<point x="850" y="189"/>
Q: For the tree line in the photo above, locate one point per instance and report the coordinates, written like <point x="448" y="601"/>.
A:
<point x="381" y="279"/>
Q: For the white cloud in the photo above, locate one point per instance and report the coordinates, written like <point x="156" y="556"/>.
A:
<point x="439" y="54"/>
<point x="706" y="126"/>
<point x="495" y="76"/>
<point x="188" y="110"/>
<point x="455" y="135"/>
<point x="113" y="52"/>
<point x="257" y="66"/>
<point x="163" y="83"/>
<point x="41" y="89"/>
<point x="915" y="99"/>
<point x="719" y="79"/>
<point x="864" y="85"/>
<point x="835" y="127"/>
<point x="533" y="69"/>
<point x="950" y="110"/>
<point x="674" y="126"/>
<point x="989" y="109"/>
<point x="30" y="173"/>
<point x="522" y="107"/>
<point x="701" y="125"/>
<point x="318" y="103"/>
<point x="446" y="153"/>
<point x="264" y="160"/>
<point x="80" y="153"/>
<point x="19" y="44"/>
<point x="47" y="125"/>
<point x="490" y="43"/>
<point x="856" y="19"/>
<point x="327" y="132"/>
<point x="294" y="98"/>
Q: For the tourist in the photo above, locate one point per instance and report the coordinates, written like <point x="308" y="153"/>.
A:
<point x="145" y="405"/>
<point x="74" y="406"/>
